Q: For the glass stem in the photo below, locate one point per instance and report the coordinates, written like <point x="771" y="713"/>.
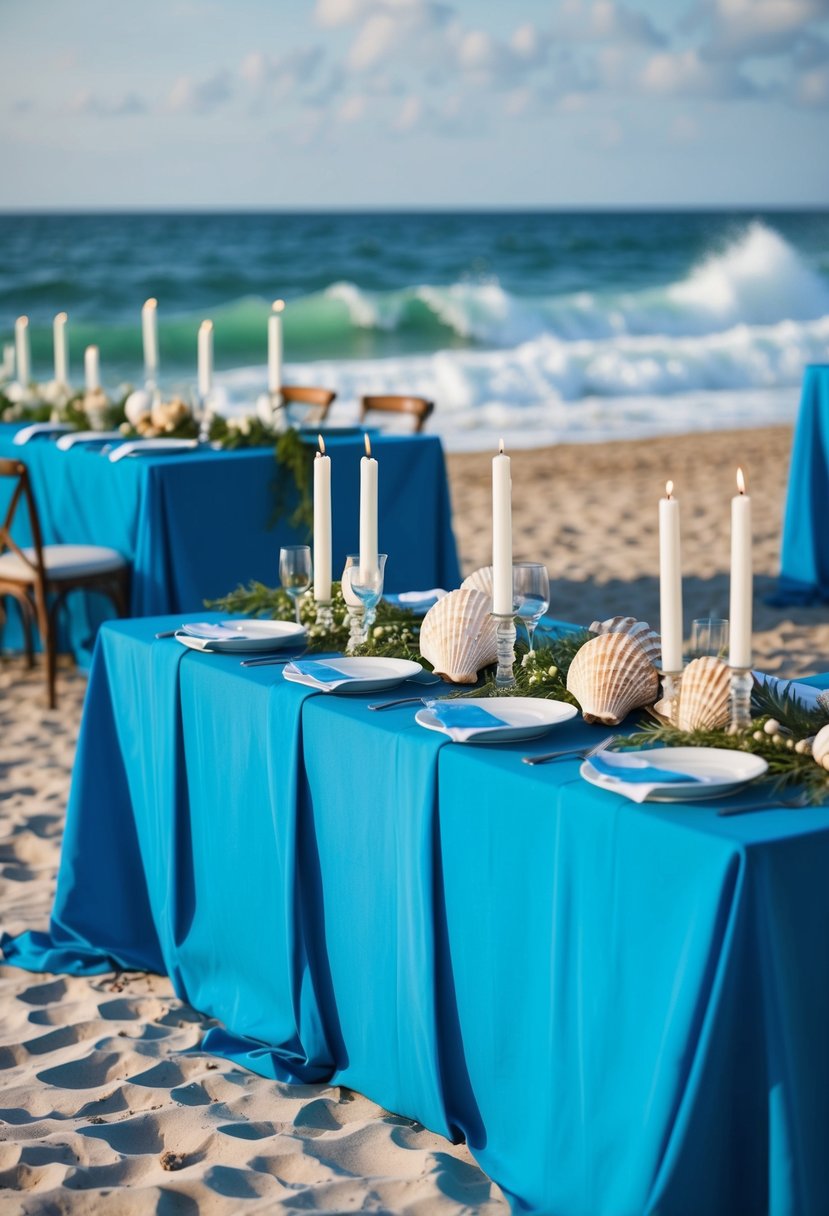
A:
<point x="531" y="634"/>
<point x="298" y="609"/>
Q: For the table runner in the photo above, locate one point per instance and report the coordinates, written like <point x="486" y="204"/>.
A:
<point x="804" y="560"/>
<point x="622" y="1008"/>
<point x="196" y="524"/>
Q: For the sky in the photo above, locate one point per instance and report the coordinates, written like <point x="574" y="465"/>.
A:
<point x="413" y="103"/>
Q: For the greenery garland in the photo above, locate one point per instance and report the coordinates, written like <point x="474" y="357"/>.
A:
<point x="293" y="454"/>
<point x="781" y="730"/>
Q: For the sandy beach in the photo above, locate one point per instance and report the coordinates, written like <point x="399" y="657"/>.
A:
<point x="99" y="1103"/>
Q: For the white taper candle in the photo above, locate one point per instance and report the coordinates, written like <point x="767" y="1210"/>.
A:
<point x="22" y="352"/>
<point x="322" y="525"/>
<point x="740" y="612"/>
<point x="275" y="347"/>
<point x="92" y="368"/>
<point x="61" y="348"/>
<point x="149" y="332"/>
<point x="368" y="513"/>
<point x="670" y="581"/>
<point x="502" y="595"/>
<point x="205" y="350"/>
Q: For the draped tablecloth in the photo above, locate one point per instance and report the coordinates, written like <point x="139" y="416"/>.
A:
<point x="195" y="525"/>
<point x="804" y="562"/>
<point x="624" y="1009"/>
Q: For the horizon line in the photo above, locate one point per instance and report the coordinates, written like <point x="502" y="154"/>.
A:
<point x="400" y="209"/>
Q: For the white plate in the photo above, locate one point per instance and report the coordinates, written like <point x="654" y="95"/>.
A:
<point x="726" y="772"/>
<point x="369" y="674"/>
<point x="152" y="447"/>
<point x="40" y="428"/>
<point x="261" y="636"/>
<point x="524" y="717"/>
<point x="67" y="442"/>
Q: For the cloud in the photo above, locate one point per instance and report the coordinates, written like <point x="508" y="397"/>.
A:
<point x="191" y="96"/>
<point x="279" y="76"/>
<point x="685" y="74"/>
<point x="810" y="89"/>
<point x="352" y="108"/>
<point x="684" y="130"/>
<point x="604" y="21"/>
<point x="87" y="102"/>
<point x="331" y="13"/>
<point x="738" y="29"/>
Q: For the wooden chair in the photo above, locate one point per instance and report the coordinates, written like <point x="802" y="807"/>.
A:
<point x="319" y="400"/>
<point x="39" y="573"/>
<point x="418" y="407"/>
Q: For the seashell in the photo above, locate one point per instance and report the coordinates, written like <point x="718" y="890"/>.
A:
<point x="137" y="405"/>
<point x="647" y="638"/>
<point x="481" y="580"/>
<point x="704" y="695"/>
<point x="458" y="635"/>
<point x="166" y="415"/>
<point x="610" y="676"/>
<point x="820" y="745"/>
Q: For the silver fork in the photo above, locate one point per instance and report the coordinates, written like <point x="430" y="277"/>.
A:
<point x="584" y="753"/>
<point x="394" y="704"/>
<point x="781" y="804"/>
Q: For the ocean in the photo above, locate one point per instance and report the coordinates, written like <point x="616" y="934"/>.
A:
<point x="541" y="327"/>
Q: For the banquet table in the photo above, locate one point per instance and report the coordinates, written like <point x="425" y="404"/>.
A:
<point x="194" y="525"/>
<point x="804" y="562"/>
<point x="623" y="1009"/>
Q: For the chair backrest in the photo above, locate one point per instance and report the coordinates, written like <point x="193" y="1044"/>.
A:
<point x="21" y="492"/>
<point x="319" y="399"/>
<point x="418" y="407"/>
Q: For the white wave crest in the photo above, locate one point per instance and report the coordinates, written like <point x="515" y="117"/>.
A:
<point x="584" y="389"/>
<point x="758" y="279"/>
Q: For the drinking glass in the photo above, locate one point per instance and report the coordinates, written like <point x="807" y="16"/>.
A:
<point x="709" y="635"/>
<point x="295" y="572"/>
<point x="362" y="589"/>
<point x="531" y="594"/>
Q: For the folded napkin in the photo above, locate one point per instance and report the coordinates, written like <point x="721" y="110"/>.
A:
<point x="318" y="675"/>
<point x="218" y="632"/>
<point x="806" y="694"/>
<point x="462" y="720"/>
<point x="416" y="601"/>
<point x="637" y="778"/>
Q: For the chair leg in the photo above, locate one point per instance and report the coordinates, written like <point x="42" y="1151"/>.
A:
<point x="47" y="637"/>
<point x="28" y="633"/>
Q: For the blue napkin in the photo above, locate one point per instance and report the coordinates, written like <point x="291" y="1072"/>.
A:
<point x="629" y="768"/>
<point x="214" y="632"/>
<point x="322" y="672"/>
<point x="455" y="715"/>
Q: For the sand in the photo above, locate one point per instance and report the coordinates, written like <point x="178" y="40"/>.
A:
<point x="589" y="512"/>
<point x="96" y="1096"/>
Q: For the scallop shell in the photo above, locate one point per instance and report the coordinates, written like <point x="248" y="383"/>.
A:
<point x="458" y="635"/>
<point x="647" y="638"/>
<point x="481" y="580"/>
<point x="610" y="676"/>
<point x="820" y="745"/>
<point x="704" y="695"/>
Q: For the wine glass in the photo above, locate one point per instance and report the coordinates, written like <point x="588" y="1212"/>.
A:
<point x="362" y="588"/>
<point x="709" y="635"/>
<point x="531" y="594"/>
<point x="295" y="572"/>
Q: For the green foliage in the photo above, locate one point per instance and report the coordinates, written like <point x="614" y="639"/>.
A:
<point x="395" y="632"/>
<point x="71" y="411"/>
<point x="296" y="462"/>
<point x="787" y="767"/>
<point x="231" y="434"/>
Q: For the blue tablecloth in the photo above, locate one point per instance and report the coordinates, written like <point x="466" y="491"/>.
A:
<point x="804" y="563"/>
<point x="624" y="1009"/>
<point x="195" y="525"/>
